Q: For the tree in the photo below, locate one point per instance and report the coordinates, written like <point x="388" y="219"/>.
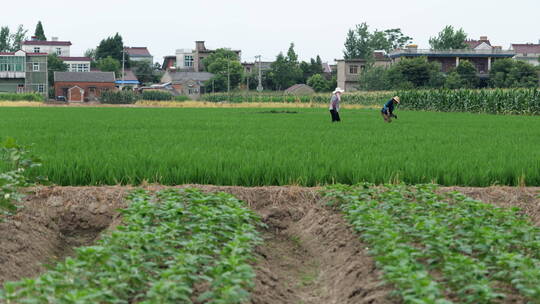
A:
<point x="416" y="73"/>
<point x="449" y="39"/>
<point x="396" y="39"/>
<point x="358" y="43"/>
<point x="112" y="47"/>
<point x="40" y="33"/>
<point x="453" y="81"/>
<point x="144" y="70"/>
<point x="227" y="70"/>
<point x="468" y="74"/>
<point x="5" y="39"/>
<point x="285" y="71"/>
<point x="507" y="73"/>
<point x="17" y="38"/>
<point x="318" y="83"/>
<point x="109" y="64"/>
<point x="374" y="78"/>
<point x="55" y="64"/>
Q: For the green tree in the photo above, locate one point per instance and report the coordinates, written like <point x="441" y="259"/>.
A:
<point x="374" y="78"/>
<point x="109" y="64"/>
<point x="416" y="73"/>
<point x="55" y="64"/>
<point x="453" y="81"/>
<point x="227" y="69"/>
<point x="112" y="47"/>
<point x="285" y="70"/>
<point x="144" y="70"/>
<point x="5" y="39"/>
<point x="449" y="39"/>
<point x="523" y="75"/>
<point x="17" y="38"/>
<point x="360" y="42"/>
<point x="508" y="73"/>
<point x="39" y="32"/>
<point x="318" y="83"/>
<point x="468" y="74"/>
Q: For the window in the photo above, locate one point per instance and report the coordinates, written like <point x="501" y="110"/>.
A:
<point x="20" y="88"/>
<point x="188" y="61"/>
<point x="353" y="69"/>
<point x="37" y="49"/>
<point x="35" y="67"/>
<point x="11" y="63"/>
<point x="192" y="91"/>
<point x="524" y="54"/>
<point x="41" y="88"/>
<point x="58" y="51"/>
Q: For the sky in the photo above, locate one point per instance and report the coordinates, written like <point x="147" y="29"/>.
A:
<point x="268" y="27"/>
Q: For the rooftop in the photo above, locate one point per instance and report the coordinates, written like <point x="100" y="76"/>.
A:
<point x="37" y="42"/>
<point x="196" y="76"/>
<point x="526" y="48"/>
<point x="75" y="58"/>
<point x="84" y="76"/>
<point x="452" y="53"/>
<point x="138" y="51"/>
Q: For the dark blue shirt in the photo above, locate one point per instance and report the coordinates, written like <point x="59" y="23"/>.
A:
<point x="389" y="106"/>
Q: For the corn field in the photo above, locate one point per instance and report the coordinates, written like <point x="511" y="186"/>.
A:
<point x="357" y="98"/>
<point x="492" y="101"/>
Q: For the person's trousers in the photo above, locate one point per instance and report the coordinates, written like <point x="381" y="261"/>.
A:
<point x="335" y="115"/>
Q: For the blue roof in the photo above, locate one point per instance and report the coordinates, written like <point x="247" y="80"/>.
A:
<point x="127" y="82"/>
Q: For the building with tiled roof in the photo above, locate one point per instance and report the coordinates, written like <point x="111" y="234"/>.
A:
<point x="139" y="54"/>
<point x="54" y="46"/>
<point x="22" y="72"/>
<point x="482" y="44"/>
<point x="527" y="52"/>
<point x="79" y="87"/>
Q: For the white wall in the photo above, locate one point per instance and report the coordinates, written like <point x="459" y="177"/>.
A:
<point x="180" y="56"/>
<point x="49" y="49"/>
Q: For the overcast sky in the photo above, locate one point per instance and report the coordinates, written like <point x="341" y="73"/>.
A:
<point x="268" y="27"/>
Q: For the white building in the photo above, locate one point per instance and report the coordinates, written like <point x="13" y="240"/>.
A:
<point x="185" y="59"/>
<point x="527" y="52"/>
<point x="77" y="64"/>
<point x="60" y="48"/>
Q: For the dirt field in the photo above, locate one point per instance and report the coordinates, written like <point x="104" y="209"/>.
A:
<point x="309" y="256"/>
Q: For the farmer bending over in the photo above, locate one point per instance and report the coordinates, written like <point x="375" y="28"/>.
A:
<point x="387" y="111"/>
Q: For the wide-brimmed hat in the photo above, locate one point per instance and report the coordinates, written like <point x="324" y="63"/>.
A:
<point x="338" y="90"/>
<point x="396" y="98"/>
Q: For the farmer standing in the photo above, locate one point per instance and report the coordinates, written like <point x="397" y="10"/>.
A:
<point x="334" y="104"/>
<point x="387" y="111"/>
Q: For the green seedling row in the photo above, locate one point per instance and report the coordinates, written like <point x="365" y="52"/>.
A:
<point x="176" y="246"/>
<point x="444" y="247"/>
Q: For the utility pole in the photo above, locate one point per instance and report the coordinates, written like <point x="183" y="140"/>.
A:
<point x="259" y="87"/>
<point x="228" y="76"/>
<point x="123" y="66"/>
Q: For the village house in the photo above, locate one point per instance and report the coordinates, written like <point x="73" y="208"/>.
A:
<point x="61" y="49"/>
<point x="23" y="72"/>
<point x="527" y="52"/>
<point x="139" y="54"/>
<point x="77" y="64"/>
<point x="129" y="79"/>
<point x="190" y="60"/>
<point x="191" y="84"/>
<point x="79" y="87"/>
<point x="479" y="52"/>
<point x="54" y="46"/>
<point x="348" y="70"/>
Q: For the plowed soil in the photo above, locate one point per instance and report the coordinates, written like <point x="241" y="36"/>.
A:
<point x="310" y="254"/>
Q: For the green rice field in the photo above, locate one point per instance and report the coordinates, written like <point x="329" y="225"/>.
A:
<point x="252" y="146"/>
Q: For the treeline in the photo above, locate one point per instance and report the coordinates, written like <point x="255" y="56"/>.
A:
<point x="419" y="73"/>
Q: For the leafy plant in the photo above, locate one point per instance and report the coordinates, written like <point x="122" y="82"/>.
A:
<point x="437" y="248"/>
<point x="176" y="246"/>
<point x="17" y="161"/>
